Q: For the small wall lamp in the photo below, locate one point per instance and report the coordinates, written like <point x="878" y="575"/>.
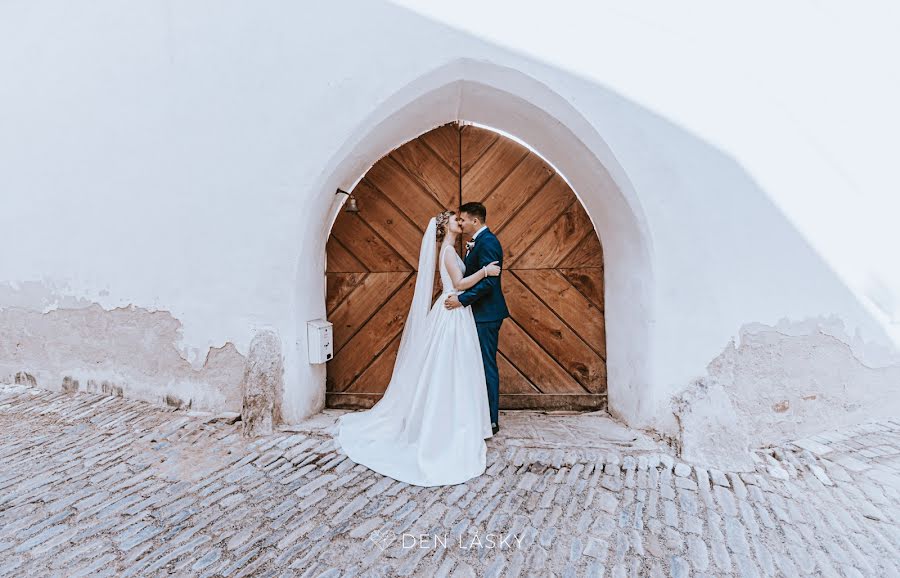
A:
<point x="351" y="202"/>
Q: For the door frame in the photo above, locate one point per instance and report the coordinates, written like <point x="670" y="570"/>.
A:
<point x="513" y="103"/>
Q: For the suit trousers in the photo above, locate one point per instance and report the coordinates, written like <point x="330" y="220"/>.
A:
<point x="488" y="335"/>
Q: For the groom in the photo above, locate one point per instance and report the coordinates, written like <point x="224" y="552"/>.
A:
<point x="485" y="297"/>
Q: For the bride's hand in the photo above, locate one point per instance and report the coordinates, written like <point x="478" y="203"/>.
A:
<point x="492" y="269"/>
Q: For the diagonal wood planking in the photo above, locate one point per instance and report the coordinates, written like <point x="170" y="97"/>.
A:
<point x="373" y="257"/>
<point x="552" y="350"/>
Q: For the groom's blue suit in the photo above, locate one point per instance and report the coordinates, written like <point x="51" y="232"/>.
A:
<point x="489" y="309"/>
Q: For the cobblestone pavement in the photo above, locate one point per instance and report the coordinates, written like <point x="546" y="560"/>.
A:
<point x="103" y="486"/>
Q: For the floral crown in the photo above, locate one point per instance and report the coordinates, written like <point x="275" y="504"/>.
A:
<point x="441" y="221"/>
<point x="443" y="217"/>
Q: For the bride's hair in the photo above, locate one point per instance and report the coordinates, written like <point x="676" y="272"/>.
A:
<point x="441" y="221"/>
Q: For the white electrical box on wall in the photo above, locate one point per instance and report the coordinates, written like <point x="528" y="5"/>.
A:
<point x="319" y="339"/>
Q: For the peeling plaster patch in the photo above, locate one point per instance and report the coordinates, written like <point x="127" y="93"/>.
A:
<point x="868" y="352"/>
<point x="782" y="383"/>
<point x="47" y="295"/>
<point x="42" y="295"/>
<point x="127" y="351"/>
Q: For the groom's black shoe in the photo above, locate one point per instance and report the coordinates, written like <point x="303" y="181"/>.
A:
<point x="494" y="427"/>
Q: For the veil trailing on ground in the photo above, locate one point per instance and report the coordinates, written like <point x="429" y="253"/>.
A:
<point x="388" y="413"/>
<point x="430" y="425"/>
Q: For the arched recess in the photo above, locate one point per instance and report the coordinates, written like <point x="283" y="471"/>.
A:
<point x="552" y="349"/>
<point x="516" y="103"/>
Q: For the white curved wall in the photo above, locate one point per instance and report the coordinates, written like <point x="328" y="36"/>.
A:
<point x="182" y="158"/>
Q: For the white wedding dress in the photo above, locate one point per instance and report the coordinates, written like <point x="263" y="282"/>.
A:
<point x="429" y="427"/>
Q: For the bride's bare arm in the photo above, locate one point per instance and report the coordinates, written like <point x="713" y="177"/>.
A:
<point x="462" y="283"/>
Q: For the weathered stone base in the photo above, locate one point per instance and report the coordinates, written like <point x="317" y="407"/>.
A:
<point x="127" y="351"/>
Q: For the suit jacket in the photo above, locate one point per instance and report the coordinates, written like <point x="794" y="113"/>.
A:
<point x="486" y="296"/>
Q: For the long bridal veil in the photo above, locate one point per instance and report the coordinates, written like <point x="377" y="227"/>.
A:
<point x="430" y="425"/>
<point x="387" y="417"/>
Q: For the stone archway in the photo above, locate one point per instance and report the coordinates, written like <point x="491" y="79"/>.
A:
<point x="552" y="350"/>
<point x="517" y="104"/>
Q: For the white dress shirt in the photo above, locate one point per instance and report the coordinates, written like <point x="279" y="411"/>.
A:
<point x="471" y="242"/>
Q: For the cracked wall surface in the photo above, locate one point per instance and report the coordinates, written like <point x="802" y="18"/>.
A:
<point x="782" y="383"/>
<point x="126" y="351"/>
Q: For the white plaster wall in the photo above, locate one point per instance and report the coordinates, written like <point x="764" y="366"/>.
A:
<point x="183" y="157"/>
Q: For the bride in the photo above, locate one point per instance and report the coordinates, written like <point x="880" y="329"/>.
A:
<point x="429" y="427"/>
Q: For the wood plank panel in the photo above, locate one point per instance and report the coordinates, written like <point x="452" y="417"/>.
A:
<point x="429" y="171"/>
<point x="511" y="379"/>
<point x="474" y="141"/>
<point x="444" y="141"/>
<point x="554" y="336"/>
<point x="339" y="400"/>
<point x="372" y="338"/>
<point x="588" y="253"/>
<point x="511" y="194"/>
<point x="487" y="172"/>
<point x="589" y="283"/>
<point x="391" y="224"/>
<point x="585" y="318"/>
<point x="556" y="242"/>
<point x="554" y="401"/>
<point x="338" y="286"/>
<point x="530" y="222"/>
<point x="366" y="245"/>
<point x="362" y="303"/>
<point x="377" y="376"/>
<point x="416" y="202"/>
<point x="545" y="374"/>
<point x="339" y="260"/>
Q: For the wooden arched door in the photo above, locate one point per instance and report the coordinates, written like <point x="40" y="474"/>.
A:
<point x="552" y="351"/>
